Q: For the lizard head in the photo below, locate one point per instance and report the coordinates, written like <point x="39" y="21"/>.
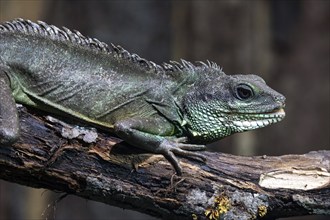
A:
<point x="218" y="107"/>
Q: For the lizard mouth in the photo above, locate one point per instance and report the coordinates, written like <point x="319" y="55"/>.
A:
<point x="259" y="120"/>
<point x="277" y="113"/>
<point x="271" y="117"/>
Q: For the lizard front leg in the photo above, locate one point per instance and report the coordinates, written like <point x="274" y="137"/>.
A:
<point x="9" y="126"/>
<point x="156" y="136"/>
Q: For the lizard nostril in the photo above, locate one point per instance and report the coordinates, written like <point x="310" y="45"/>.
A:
<point x="280" y="99"/>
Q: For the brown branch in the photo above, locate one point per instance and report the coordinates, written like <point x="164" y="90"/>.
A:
<point x="234" y="187"/>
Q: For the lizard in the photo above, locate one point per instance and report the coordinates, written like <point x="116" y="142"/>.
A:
<point x="173" y="109"/>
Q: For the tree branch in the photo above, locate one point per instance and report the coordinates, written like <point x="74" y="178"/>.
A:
<point x="233" y="187"/>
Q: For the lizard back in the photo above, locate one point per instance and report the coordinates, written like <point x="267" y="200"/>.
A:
<point x="61" y="69"/>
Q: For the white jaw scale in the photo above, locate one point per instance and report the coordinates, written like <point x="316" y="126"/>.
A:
<point x="262" y="121"/>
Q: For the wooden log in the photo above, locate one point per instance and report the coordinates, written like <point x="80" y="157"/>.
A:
<point x="109" y="171"/>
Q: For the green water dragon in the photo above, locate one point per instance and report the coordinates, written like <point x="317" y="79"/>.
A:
<point x="170" y="109"/>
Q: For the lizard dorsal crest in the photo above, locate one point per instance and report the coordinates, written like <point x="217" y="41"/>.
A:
<point x="65" y="35"/>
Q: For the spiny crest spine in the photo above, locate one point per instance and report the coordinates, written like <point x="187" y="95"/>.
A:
<point x="66" y="35"/>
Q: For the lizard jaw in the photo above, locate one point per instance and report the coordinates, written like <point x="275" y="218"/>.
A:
<point x="259" y="121"/>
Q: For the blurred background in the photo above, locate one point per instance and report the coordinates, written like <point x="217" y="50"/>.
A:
<point x="285" y="42"/>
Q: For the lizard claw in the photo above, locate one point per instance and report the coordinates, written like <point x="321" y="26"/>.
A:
<point x="171" y="148"/>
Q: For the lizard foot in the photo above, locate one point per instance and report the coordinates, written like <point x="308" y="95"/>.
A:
<point x="170" y="148"/>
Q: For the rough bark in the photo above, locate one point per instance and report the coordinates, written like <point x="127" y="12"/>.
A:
<point x="233" y="187"/>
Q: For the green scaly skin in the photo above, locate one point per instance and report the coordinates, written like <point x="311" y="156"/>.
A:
<point x="170" y="109"/>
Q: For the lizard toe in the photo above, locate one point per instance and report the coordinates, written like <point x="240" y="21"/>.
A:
<point x="173" y="161"/>
<point x="191" y="147"/>
<point x="189" y="154"/>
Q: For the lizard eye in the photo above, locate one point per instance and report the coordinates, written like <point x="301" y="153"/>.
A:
<point x="244" y="92"/>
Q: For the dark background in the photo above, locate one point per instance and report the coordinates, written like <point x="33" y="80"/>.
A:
<point x="285" y="42"/>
